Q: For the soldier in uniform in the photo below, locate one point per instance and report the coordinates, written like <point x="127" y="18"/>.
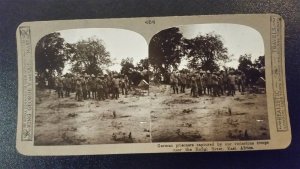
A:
<point x="231" y="83"/>
<point x="100" y="88"/>
<point x="78" y="89"/>
<point x="194" y="86"/>
<point x="73" y="84"/>
<point x="221" y="83"/>
<point x="116" y="86"/>
<point x="182" y="80"/>
<point x="59" y="85"/>
<point x="188" y="80"/>
<point x="122" y="85"/>
<point x="215" y="85"/>
<point x="126" y="82"/>
<point x="225" y="81"/>
<point x="68" y="85"/>
<point x="241" y="82"/>
<point x="199" y="83"/>
<point x="174" y="82"/>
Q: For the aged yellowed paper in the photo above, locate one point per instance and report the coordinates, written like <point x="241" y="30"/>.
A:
<point x="152" y="85"/>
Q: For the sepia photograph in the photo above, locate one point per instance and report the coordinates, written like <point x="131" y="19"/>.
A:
<point x="152" y="85"/>
<point x="91" y="85"/>
<point x="207" y="83"/>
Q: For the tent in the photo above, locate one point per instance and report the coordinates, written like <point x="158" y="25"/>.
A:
<point x="261" y="82"/>
<point x="143" y="83"/>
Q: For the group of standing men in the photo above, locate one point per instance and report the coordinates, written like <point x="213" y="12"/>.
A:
<point x="86" y="86"/>
<point x="207" y="83"/>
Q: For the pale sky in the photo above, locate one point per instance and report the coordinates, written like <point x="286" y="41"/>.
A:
<point x="238" y="39"/>
<point x="119" y="43"/>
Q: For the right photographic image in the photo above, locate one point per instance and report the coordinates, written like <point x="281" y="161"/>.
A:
<point x="207" y="83"/>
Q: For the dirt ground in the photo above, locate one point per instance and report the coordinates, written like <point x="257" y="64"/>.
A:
<point x="179" y="117"/>
<point x="174" y="118"/>
<point x="65" y="121"/>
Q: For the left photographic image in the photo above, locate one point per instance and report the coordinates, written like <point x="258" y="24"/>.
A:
<point x="91" y="85"/>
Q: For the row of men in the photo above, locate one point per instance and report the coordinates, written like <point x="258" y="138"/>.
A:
<point x="92" y="87"/>
<point x="214" y="84"/>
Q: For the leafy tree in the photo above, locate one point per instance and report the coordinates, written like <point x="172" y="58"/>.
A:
<point x="260" y="62"/>
<point x="135" y="77"/>
<point x="131" y="71"/>
<point x="205" y="51"/>
<point x="250" y="69"/>
<point x="143" y="65"/>
<point x="165" y="50"/>
<point x="245" y="63"/>
<point x="127" y="66"/>
<point x="89" y="56"/>
<point x="51" y="53"/>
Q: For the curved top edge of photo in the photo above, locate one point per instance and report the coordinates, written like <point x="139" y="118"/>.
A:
<point x="182" y="43"/>
<point x="109" y="47"/>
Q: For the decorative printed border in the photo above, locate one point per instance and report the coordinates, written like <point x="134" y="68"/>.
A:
<point x="27" y="68"/>
<point x="277" y="74"/>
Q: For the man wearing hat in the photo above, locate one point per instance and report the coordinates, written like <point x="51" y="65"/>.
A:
<point x="182" y="79"/>
<point x="127" y="86"/>
<point x="194" y="86"/>
<point x="231" y="83"/>
<point x="174" y="82"/>
<point x="59" y="85"/>
<point x="105" y="86"/>
<point x="188" y="80"/>
<point x="115" y="86"/>
<point x="220" y="83"/>
<point x="215" y="85"/>
<point x="78" y="89"/>
<point x="100" y="88"/>
<point x="241" y="81"/>
<point x="68" y="85"/>
<point x="122" y="85"/>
